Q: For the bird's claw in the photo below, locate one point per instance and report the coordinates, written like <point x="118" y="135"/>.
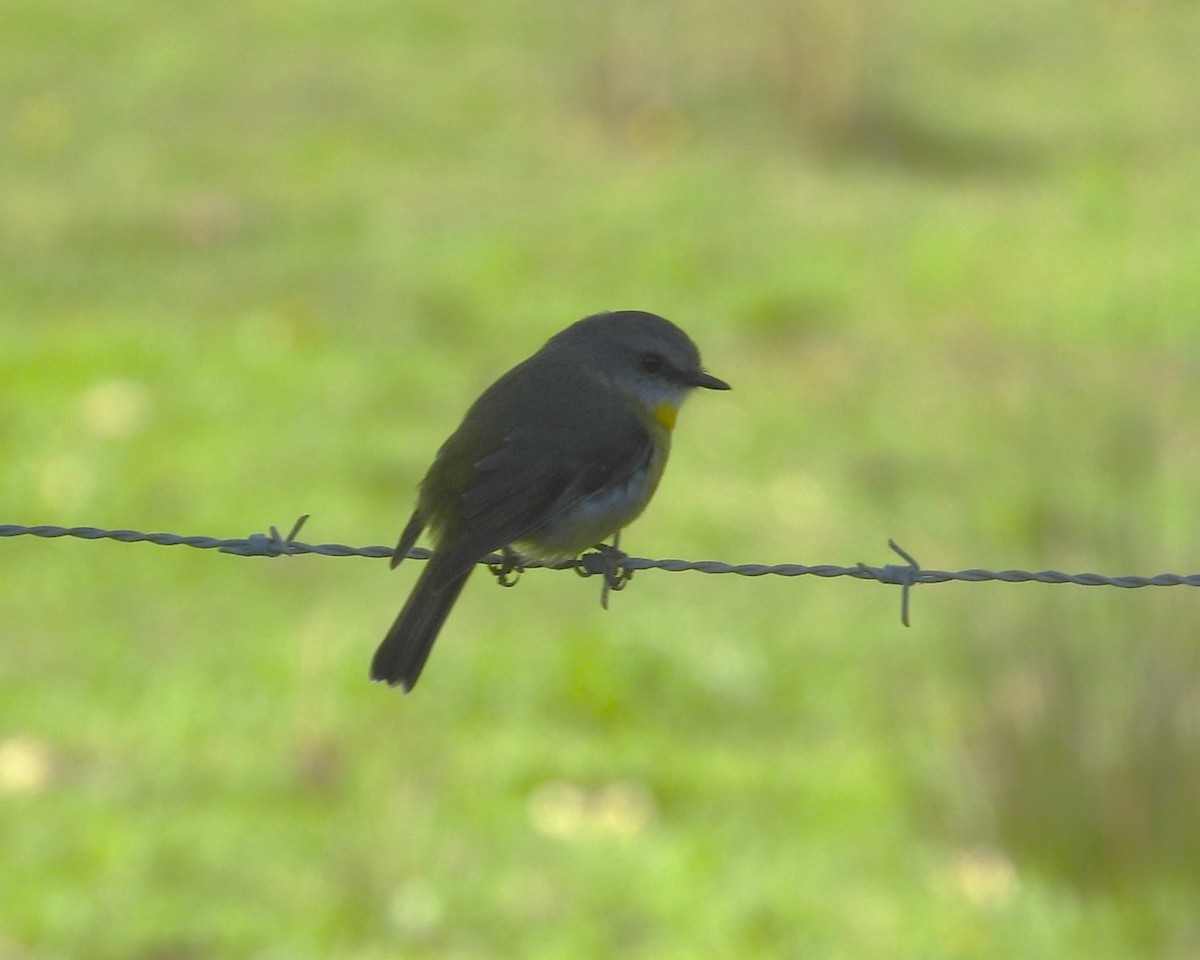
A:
<point x="605" y="559"/>
<point x="508" y="571"/>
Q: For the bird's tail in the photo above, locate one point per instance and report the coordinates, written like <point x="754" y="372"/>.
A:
<point x="402" y="655"/>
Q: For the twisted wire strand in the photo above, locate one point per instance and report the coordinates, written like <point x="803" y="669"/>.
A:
<point x="274" y="544"/>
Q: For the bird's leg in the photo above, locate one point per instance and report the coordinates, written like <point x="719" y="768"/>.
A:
<point x="606" y="561"/>
<point x="508" y="571"/>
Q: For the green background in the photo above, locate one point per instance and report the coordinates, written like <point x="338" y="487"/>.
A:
<point x="258" y="257"/>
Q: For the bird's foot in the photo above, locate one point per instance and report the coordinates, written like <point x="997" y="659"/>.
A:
<point x="508" y="571"/>
<point x="605" y="559"/>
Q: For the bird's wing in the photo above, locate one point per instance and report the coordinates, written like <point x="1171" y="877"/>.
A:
<point x="543" y="472"/>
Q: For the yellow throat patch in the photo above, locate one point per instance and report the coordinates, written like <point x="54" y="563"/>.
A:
<point x="665" y="414"/>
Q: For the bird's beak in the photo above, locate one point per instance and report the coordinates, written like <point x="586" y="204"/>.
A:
<point x="707" y="381"/>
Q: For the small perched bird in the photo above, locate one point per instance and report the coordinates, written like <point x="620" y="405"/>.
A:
<point x="558" y="454"/>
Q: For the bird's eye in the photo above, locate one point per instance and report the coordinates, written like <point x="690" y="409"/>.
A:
<point x="653" y="362"/>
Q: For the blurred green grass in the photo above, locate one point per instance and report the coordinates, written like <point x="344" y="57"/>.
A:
<point x="255" y="259"/>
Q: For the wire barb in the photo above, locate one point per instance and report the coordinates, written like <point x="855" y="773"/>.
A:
<point x="267" y="545"/>
<point x="904" y="575"/>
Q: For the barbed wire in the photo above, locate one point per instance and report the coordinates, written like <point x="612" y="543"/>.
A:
<point x="615" y="567"/>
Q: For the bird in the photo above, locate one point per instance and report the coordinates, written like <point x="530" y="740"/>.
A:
<point x="560" y="453"/>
